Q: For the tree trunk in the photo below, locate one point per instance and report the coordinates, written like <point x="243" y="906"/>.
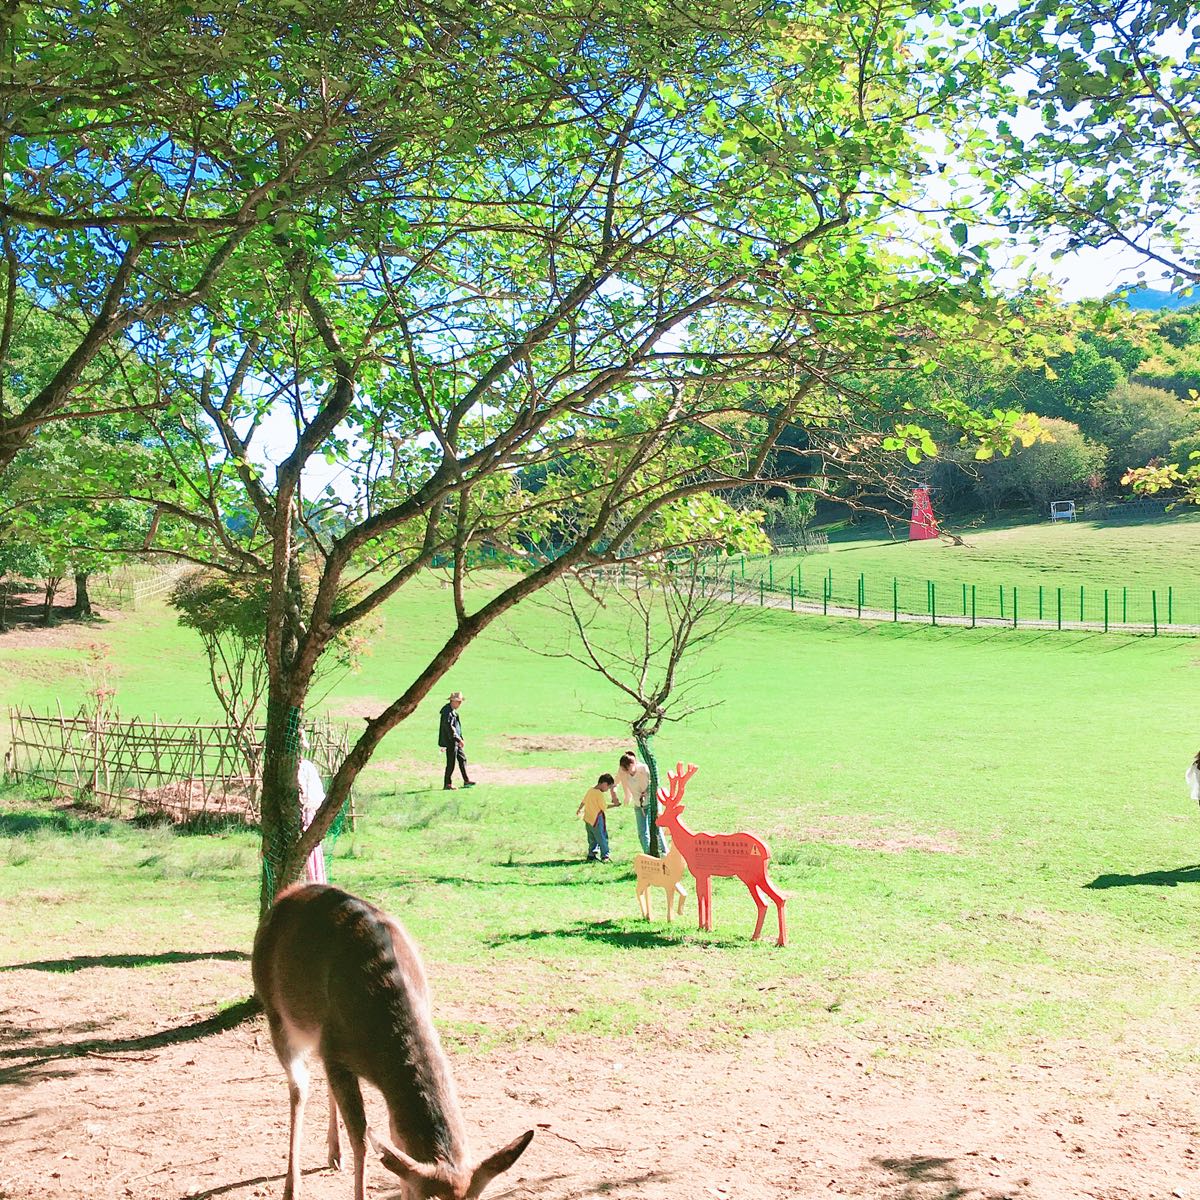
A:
<point x="52" y="582"/>
<point x="645" y="745"/>
<point x="83" y="602"/>
<point x="280" y="818"/>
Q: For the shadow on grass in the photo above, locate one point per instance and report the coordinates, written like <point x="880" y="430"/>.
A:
<point x="926" y="1177"/>
<point x="545" y="862"/>
<point x="34" y="1056"/>
<point x="611" y="933"/>
<point x="83" y="961"/>
<point x="1149" y="878"/>
<point x="53" y="821"/>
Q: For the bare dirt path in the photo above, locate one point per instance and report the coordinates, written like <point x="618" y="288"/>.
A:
<point x="96" y="1100"/>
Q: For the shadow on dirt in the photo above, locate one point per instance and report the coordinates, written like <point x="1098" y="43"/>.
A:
<point x="1149" y="878"/>
<point x="35" y="1056"/>
<point x="83" y="962"/>
<point x="928" y="1178"/>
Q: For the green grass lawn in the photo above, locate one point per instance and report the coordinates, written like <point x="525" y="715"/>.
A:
<point x="1131" y="559"/>
<point x="984" y="834"/>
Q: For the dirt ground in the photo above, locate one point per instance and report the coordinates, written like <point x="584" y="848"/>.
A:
<point x="112" y="1085"/>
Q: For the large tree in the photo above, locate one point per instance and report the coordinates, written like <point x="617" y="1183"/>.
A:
<point x="150" y="152"/>
<point x="632" y="252"/>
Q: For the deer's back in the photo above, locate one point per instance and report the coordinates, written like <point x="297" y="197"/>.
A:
<point x="341" y="974"/>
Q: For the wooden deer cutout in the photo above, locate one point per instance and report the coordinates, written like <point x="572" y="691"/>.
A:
<point x="726" y="854"/>
<point x="666" y="873"/>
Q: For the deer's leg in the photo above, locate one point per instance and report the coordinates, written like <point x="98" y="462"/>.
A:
<point x="680" y="898"/>
<point x="753" y="888"/>
<point x="343" y="1086"/>
<point x="293" y="1059"/>
<point x="704" y="901"/>
<point x="780" y="900"/>
<point x="332" y="1141"/>
<point x="644" y="900"/>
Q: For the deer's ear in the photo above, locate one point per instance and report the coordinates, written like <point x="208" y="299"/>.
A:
<point x="496" y="1164"/>
<point x="397" y="1161"/>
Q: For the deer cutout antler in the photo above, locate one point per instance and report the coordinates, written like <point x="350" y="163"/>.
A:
<point x="677" y="782"/>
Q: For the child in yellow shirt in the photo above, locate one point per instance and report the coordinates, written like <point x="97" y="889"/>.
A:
<point x="591" y="808"/>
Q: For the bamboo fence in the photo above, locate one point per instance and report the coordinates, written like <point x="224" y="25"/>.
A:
<point x="130" y="589"/>
<point x="186" y="772"/>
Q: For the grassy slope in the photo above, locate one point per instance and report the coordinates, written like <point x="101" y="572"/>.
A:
<point x="1043" y="763"/>
<point x="1140" y="556"/>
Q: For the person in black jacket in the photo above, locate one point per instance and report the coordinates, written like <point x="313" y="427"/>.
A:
<point x="450" y="738"/>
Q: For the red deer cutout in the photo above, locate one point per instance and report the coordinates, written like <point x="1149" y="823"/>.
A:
<point x="726" y="854"/>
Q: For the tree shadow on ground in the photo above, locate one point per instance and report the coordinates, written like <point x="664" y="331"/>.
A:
<point x="611" y="933"/>
<point x="927" y="1178"/>
<point x="26" y="609"/>
<point x="1171" y="878"/>
<point x="35" y="1056"/>
<point x="83" y="962"/>
<point x="464" y="881"/>
<point x="544" y="862"/>
<point x="573" y="1188"/>
<point x="55" y="820"/>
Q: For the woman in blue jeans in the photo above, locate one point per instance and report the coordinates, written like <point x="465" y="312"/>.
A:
<point x="634" y="778"/>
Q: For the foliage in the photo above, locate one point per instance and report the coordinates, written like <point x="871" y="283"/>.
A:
<point x="229" y="613"/>
<point x="1054" y="467"/>
<point x="1115" y="159"/>
<point x="1138" y="423"/>
<point x="153" y="154"/>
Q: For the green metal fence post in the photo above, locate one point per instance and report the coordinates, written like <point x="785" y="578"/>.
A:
<point x="1059" y="593"/>
<point x="1125" y="606"/>
<point x="932" y="603"/>
<point x="1106" y="610"/>
<point x="1014" y="606"/>
<point x="1154" y="610"/>
<point x="972" y="606"/>
<point x="1039" y="601"/>
<point x="964" y="587"/>
<point x="895" y="599"/>
<point x="1170" y="605"/>
<point x="792" y="592"/>
<point x="800" y="579"/>
<point x="743" y="566"/>
<point x="861" y="589"/>
<point x="771" y="573"/>
<point x="760" y="593"/>
<point x="825" y="598"/>
<point x="1081" y="604"/>
<point x="1002" y="602"/>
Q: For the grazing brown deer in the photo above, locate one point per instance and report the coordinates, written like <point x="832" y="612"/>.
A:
<point x="337" y="975"/>
<point x="709" y="854"/>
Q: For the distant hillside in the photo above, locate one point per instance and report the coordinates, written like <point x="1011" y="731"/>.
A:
<point x="1153" y="299"/>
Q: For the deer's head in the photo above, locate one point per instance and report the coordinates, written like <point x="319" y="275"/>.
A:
<point x="440" y="1182"/>
<point x="670" y="799"/>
